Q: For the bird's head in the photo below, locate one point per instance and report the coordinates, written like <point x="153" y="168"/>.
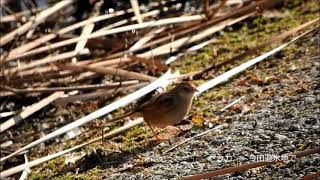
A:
<point x="187" y="88"/>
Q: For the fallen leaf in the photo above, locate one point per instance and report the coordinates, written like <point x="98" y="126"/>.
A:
<point x="197" y="120"/>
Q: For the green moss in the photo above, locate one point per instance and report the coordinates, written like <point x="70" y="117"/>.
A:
<point x="136" y="134"/>
<point x="230" y="43"/>
<point x="90" y="174"/>
<point x="251" y="33"/>
<point x="39" y="176"/>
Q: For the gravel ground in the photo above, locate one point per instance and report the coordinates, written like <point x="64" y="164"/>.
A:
<point x="280" y="123"/>
<point x="275" y="118"/>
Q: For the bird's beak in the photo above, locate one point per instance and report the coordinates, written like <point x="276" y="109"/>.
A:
<point x="195" y="88"/>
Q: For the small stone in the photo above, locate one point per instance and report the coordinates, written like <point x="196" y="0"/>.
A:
<point x="263" y="136"/>
<point x="288" y="115"/>
<point x="45" y="126"/>
<point x="6" y="144"/>
<point x="294" y="127"/>
<point x="310" y="99"/>
<point x="280" y="137"/>
<point x="311" y="121"/>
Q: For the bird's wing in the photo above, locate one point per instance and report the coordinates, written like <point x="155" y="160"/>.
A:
<point x="163" y="100"/>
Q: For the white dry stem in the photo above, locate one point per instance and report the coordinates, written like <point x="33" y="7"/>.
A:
<point x="29" y="111"/>
<point x="136" y="10"/>
<point x="103" y="111"/>
<point x="175" y="45"/>
<point x="231" y="73"/>
<point x="153" y="23"/>
<point x="35" y="21"/>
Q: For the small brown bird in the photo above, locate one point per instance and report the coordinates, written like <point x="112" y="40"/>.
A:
<point x="166" y="109"/>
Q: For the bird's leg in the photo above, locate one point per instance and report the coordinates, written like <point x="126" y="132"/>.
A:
<point x="153" y="131"/>
<point x="175" y="130"/>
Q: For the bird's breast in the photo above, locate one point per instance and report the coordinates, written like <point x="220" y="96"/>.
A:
<point x="163" y="117"/>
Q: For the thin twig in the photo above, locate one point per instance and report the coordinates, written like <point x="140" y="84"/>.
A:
<point x="175" y="45"/>
<point x="99" y="94"/>
<point x="35" y="22"/>
<point x="136" y="10"/>
<point x="231" y="73"/>
<point x="18" y="16"/>
<point x="263" y="4"/>
<point x="47" y="60"/>
<point x="114" y="31"/>
<point x="87" y="30"/>
<point x="29" y="111"/>
<point x="107" y="109"/>
<point x="146" y="38"/>
<point x="110" y="71"/>
<point x="259" y="47"/>
<point x="27" y="170"/>
<point x="72" y="88"/>
<point x="17" y="52"/>
<point x="217" y="128"/>
<point x="233" y="103"/>
<point x="215" y="10"/>
<point x="36" y="162"/>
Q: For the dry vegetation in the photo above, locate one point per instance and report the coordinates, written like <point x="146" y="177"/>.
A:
<point x="67" y="67"/>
